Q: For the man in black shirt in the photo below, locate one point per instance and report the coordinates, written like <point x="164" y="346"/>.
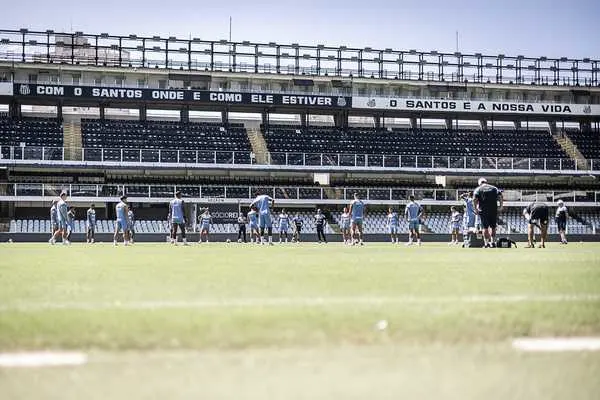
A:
<point x="241" y="228"/>
<point x="297" y="222"/>
<point x="536" y="214"/>
<point x="485" y="200"/>
<point x="320" y="221"/>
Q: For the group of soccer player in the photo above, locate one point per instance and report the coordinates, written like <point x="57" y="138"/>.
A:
<point x="62" y="221"/>
<point x="481" y="208"/>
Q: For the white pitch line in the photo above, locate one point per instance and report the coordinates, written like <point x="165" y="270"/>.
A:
<point x="557" y="344"/>
<point x="296" y="302"/>
<point x="41" y="359"/>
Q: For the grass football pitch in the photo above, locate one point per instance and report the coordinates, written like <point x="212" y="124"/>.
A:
<point x="231" y="321"/>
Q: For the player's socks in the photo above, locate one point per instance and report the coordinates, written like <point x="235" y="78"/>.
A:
<point x="419" y="242"/>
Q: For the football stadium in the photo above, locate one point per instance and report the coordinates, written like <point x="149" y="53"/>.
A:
<point x="183" y="217"/>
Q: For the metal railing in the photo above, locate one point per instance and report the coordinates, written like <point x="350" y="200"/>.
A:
<point x="302" y="193"/>
<point x="333" y="160"/>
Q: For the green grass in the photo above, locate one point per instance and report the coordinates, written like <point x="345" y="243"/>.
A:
<point x="147" y="309"/>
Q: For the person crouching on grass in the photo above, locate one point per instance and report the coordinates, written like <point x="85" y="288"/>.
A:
<point x="536" y="214"/>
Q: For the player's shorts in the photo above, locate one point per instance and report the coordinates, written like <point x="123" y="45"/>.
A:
<point x="562" y="225"/>
<point x="283" y="229"/>
<point x="121" y="225"/>
<point x="345" y="227"/>
<point x="253" y="227"/>
<point x="489" y="219"/>
<point x="469" y="222"/>
<point x="177" y="221"/>
<point x="90" y="228"/>
<point x="205" y="227"/>
<point x="298" y="229"/>
<point x="393" y="230"/>
<point x="71" y="227"/>
<point x="456" y="226"/>
<point x="62" y="224"/>
<point x="413" y="225"/>
<point x="264" y="221"/>
<point x="540" y="214"/>
<point x="357" y="222"/>
<point x="54" y="225"/>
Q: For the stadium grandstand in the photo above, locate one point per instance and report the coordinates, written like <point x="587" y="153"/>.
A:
<point x="100" y="116"/>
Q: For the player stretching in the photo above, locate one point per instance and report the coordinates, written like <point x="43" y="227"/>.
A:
<point x="241" y="228"/>
<point x="284" y="225"/>
<point x="357" y="211"/>
<point x="177" y="218"/>
<point x="264" y="203"/>
<point x="253" y="222"/>
<point x="393" y="222"/>
<point x="62" y="209"/>
<point x="53" y="220"/>
<point x="536" y="214"/>
<point x="455" y="218"/>
<point x="413" y="213"/>
<point x="131" y="225"/>
<point x="485" y="200"/>
<point x="469" y="219"/>
<point x="321" y="221"/>
<point x="297" y="222"/>
<point x="90" y="224"/>
<point x="561" y="221"/>
<point x="205" y="220"/>
<point x="345" y="226"/>
<point x="121" y="210"/>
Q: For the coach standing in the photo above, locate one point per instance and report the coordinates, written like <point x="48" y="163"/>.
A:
<point x="320" y="221"/>
<point x="485" y="200"/>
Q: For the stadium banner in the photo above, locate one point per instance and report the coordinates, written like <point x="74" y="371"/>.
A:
<point x="179" y="95"/>
<point x="474" y="106"/>
<point x="6" y="89"/>
<point x="221" y="213"/>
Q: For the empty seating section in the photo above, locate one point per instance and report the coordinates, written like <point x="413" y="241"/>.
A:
<point x="435" y="142"/>
<point x="587" y="141"/>
<point x="158" y="141"/>
<point x="33" y="132"/>
<point x="106" y="226"/>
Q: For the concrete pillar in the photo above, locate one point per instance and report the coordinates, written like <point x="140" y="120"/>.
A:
<point x="225" y="117"/>
<point x="483" y="125"/>
<point x="449" y="125"/>
<point x="184" y="114"/>
<point x="59" y="112"/>
<point x="14" y="109"/>
<point x="143" y="113"/>
<point x="413" y="123"/>
<point x="102" y="112"/>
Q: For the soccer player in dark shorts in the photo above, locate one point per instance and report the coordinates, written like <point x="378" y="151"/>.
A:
<point x="241" y="228"/>
<point x="297" y="222"/>
<point x="320" y="221"/>
<point x="537" y="214"/>
<point x="485" y="200"/>
<point x="562" y="213"/>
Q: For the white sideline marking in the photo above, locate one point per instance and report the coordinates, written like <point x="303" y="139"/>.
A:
<point x="41" y="359"/>
<point x="557" y="344"/>
<point x="297" y="302"/>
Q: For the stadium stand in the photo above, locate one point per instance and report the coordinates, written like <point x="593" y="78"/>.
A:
<point x="436" y="142"/>
<point x="33" y="132"/>
<point x="587" y="141"/>
<point x="165" y="136"/>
